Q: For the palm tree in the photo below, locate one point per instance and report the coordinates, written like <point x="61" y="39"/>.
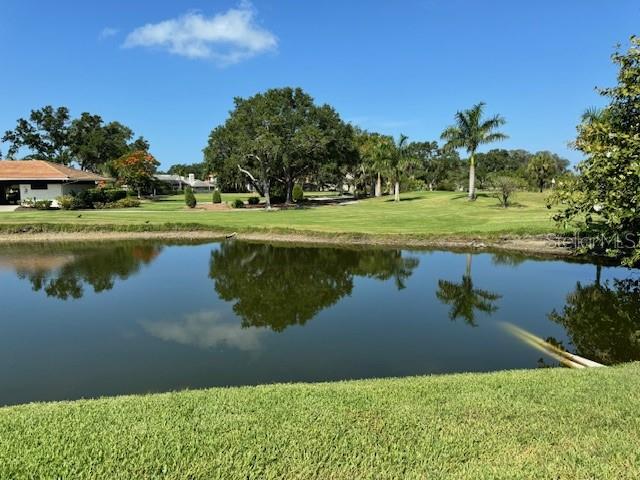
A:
<point x="541" y="168"/>
<point x="399" y="161"/>
<point x="593" y="114"/>
<point x="471" y="131"/>
<point x="464" y="298"/>
<point x="592" y="117"/>
<point x="373" y="153"/>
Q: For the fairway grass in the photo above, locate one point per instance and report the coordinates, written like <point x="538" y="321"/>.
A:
<point x="547" y="423"/>
<point x="422" y="214"/>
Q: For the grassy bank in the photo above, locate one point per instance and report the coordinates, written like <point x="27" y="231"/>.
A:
<point x="421" y="214"/>
<point x="522" y="424"/>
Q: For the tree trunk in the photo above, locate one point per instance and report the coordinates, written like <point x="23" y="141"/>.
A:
<point x="472" y="177"/>
<point x="378" y="191"/>
<point x="397" y="191"/>
<point x="289" y="195"/>
<point x="139" y="195"/>
<point x="541" y="185"/>
<point x="267" y="197"/>
<point x="468" y="269"/>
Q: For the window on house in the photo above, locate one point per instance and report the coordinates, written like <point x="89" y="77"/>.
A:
<point x="39" y="186"/>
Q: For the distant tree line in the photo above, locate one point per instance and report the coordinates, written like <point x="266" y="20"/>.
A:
<point x="437" y="167"/>
<point x="51" y="134"/>
<point x="281" y="137"/>
<point x="107" y="148"/>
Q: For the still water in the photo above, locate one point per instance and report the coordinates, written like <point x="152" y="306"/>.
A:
<point x="88" y="320"/>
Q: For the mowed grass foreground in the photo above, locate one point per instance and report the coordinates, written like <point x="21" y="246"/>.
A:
<point x="552" y="423"/>
<point x="418" y="213"/>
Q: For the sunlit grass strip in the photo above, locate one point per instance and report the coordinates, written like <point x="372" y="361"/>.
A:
<point x="547" y="423"/>
<point x="419" y="213"/>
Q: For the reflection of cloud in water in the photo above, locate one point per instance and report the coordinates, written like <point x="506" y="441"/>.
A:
<point x="34" y="263"/>
<point x="206" y="329"/>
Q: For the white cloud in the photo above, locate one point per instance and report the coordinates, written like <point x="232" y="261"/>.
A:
<point x="108" y="32"/>
<point x="226" y="38"/>
<point x="206" y="330"/>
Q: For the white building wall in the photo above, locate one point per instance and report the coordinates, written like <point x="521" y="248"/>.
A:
<point x="53" y="191"/>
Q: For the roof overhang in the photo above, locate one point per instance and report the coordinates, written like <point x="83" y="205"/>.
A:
<point x="69" y="180"/>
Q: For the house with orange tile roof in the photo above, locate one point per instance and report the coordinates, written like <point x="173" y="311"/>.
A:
<point x="32" y="180"/>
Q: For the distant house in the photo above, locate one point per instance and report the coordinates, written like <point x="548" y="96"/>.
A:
<point x="23" y="180"/>
<point x="174" y="182"/>
<point x="178" y="182"/>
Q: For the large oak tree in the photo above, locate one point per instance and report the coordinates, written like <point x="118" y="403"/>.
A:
<point x="279" y="137"/>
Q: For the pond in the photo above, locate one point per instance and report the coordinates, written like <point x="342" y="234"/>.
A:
<point x="87" y="320"/>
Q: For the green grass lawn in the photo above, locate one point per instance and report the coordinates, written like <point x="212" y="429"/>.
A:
<point x="547" y="423"/>
<point x="419" y="213"/>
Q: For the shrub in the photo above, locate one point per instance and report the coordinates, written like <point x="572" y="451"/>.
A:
<point x="91" y="198"/>
<point x="413" y="185"/>
<point x="189" y="198"/>
<point x="113" y="194"/>
<point x="217" y="198"/>
<point x="505" y="187"/>
<point x="297" y="194"/>
<point x="237" y="203"/>
<point x="73" y="202"/>
<point x="65" y="202"/>
<point x="278" y="194"/>
<point x="447" y="185"/>
<point x="127" y="202"/>
<point x="85" y="199"/>
<point x="253" y="200"/>
<point x="37" y="204"/>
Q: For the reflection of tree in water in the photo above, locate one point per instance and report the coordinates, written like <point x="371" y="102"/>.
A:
<point x="281" y="286"/>
<point x="603" y="320"/>
<point x="98" y="267"/>
<point x="464" y="298"/>
<point x="507" y="259"/>
<point x="385" y="265"/>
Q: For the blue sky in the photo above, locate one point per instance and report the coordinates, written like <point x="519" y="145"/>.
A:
<point x="170" y="69"/>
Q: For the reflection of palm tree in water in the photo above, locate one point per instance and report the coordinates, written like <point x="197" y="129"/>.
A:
<point x="464" y="298"/>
